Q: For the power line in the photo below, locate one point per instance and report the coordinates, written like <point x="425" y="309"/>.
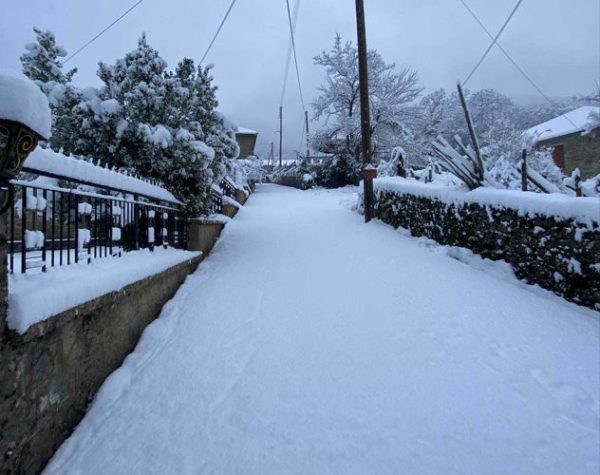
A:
<point x="218" y="31"/>
<point x="289" y="55"/>
<point x="514" y="63"/>
<point x="123" y="15"/>
<point x="287" y="2"/>
<point x="495" y="40"/>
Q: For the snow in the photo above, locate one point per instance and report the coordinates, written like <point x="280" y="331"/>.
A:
<point x="110" y="106"/>
<point x="310" y="342"/>
<point x="160" y="136"/>
<point x="557" y="205"/>
<point x="242" y="130"/>
<point x="33" y="298"/>
<point x="34" y="239"/>
<point x="572" y="122"/>
<point x="213" y="218"/>
<point x="21" y="100"/>
<point x="204" y="149"/>
<point x="231" y="202"/>
<point x="48" y="161"/>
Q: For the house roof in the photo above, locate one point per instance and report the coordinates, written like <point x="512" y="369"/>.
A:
<point x="244" y="131"/>
<point x="569" y="123"/>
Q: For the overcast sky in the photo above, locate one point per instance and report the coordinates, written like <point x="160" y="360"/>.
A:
<point x="556" y="41"/>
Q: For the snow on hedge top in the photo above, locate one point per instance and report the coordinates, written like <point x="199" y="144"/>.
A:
<point x="242" y="130"/>
<point x="48" y="161"/>
<point x="572" y="122"/>
<point x="556" y="205"/>
<point x="21" y="100"/>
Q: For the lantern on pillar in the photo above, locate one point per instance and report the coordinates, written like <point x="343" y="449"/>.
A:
<point x="24" y="120"/>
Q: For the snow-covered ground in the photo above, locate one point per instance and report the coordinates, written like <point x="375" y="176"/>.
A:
<point x="35" y="297"/>
<point x="309" y="342"/>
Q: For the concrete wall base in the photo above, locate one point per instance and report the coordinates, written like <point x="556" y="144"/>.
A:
<point x="49" y="375"/>
<point x="203" y="235"/>
<point x="230" y="210"/>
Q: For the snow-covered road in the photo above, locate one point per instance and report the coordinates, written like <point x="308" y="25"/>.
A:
<point x="309" y="342"/>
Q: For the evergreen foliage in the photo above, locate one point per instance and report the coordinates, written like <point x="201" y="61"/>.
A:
<point x="146" y="119"/>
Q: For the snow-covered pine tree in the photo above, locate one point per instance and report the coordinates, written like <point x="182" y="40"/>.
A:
<point x="219" y="132"/>
<point x="42" y="63"/>
<point x="158" y="135"/>
<point x="41" y="60"/>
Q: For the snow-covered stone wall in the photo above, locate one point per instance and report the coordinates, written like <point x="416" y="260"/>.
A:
<point x="549" y="240"/>
<point x="49" y="374"/>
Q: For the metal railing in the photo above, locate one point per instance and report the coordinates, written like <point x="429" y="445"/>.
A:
<point x="216" y="202"/>
<point x="228" y="188"/>
<point x="63" y="223"/>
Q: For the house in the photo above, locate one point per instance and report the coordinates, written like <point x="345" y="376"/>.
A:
<point x="246" y="139"/>
<point x="575" y="142"/>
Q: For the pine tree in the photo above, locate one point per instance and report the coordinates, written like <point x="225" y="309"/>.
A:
<point x="145" y="118"/>
<point x="41" y="63"/>
<point x="41" y="60"/>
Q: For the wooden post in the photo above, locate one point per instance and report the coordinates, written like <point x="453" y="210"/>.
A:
<point x="307" y="136"/>
<point x="280" y="136"/>
<point x="524" y="171"/>
<point x="369" y="172"/>
<point x="474" y="140"/>
<point x="3" y="269"/>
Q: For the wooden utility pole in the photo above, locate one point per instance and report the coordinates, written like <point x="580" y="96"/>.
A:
<point x="280" y="136"/>
<point x="307" y="136"/>
<point x="524" y="171"/>
<point x="272" y="156"/>
<point x="369" y="172"/>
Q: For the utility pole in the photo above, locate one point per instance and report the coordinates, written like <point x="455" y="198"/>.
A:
<point x="307" y="136"/>
<point x="280" y="136"/>
<point x="369" y="171"/>
<point x="272" y="155"/>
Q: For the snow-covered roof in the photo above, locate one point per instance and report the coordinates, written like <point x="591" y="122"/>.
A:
<point x="569" y="123"/>
<point x="48" y="161"/>
<point x="242" y="130"/>
<point x="21" y="100"/>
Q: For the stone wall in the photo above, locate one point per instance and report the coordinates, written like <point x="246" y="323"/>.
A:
<point x="581" y="151"/>
<point x="50" y="374"/>
<point x="561" y="255"/>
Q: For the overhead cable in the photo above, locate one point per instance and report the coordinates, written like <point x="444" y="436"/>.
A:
<point x="123" y="15"/>
<point x="494" y="41"/>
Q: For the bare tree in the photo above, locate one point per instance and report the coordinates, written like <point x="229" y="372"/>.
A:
<point x="390" y="92"/>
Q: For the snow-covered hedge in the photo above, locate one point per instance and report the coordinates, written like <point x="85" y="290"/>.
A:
<point x="557" y="205"/>
<point x="48" y="161"/>
<point x="549" y="240"/>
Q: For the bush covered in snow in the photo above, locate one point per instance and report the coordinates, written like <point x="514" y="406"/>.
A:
<point x="144" y="118"/>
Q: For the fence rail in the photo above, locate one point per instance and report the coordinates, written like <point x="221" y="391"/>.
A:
<point x="64" y="222"/>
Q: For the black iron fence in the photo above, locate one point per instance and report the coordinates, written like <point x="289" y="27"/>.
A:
<point x="229" y="189"/>
<point x="63" y="222"/>
<point x="216" y="202"/>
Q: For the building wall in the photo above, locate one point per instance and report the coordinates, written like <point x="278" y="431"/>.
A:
<point x="583" y="152"/>
<point x="580" y="151"/>
<point x="247" y="142"/>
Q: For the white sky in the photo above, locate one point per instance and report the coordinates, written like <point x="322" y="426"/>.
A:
<point x="556" y="41"/>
